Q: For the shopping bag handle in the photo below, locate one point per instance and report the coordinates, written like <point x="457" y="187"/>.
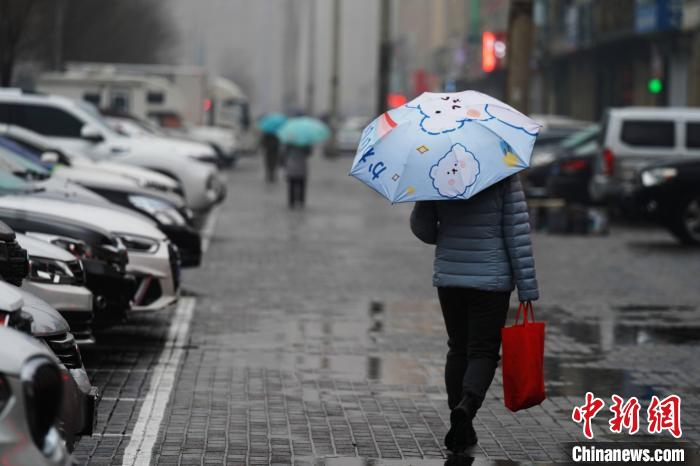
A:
<point x="524" y="307"/>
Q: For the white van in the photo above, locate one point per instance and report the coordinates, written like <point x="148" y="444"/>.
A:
<point x="634" y="137"/>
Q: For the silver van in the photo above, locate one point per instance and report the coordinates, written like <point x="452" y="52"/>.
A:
<point x="634" y="137"/>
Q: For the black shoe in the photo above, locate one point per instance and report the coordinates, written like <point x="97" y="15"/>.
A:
<point x="462" y="434"/>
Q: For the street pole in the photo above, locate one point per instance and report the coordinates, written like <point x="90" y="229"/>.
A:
<point x="57" y="52"/>
<point x="290" y="79"/>
<point x="519" y="49"/>
<point x="312" y="59"/>
<point x="335" y="74"/>
<point x="384" y="68"/>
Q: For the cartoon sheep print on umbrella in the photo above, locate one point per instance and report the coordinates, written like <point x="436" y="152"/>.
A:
<point x="443" y="146"/>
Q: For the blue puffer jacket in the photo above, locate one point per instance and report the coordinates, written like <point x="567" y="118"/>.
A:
<point x="483" y="242"/>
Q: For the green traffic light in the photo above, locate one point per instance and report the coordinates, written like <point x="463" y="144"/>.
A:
<point x="655" y="85"/>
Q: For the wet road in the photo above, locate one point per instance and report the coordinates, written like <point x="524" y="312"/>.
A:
<point x="315" y="338"/>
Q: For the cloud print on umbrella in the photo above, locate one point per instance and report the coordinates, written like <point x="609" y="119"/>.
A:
<point x="443" y="113"/>
<point x="454" y="172"/>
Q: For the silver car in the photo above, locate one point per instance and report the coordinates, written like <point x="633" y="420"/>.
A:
<point x="30" y="399"/>
<point x="29" y="314"/>
<point x="58" y="278"/>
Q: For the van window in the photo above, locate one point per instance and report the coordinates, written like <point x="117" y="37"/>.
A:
<point x="692" y="135"/>
<point x="92" y="97"/>
<point x="45" y="120"/>
<point x="153" y="97"/>
<point x="649" y="133"/>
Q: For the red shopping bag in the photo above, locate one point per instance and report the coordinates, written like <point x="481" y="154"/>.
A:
<point x="523" y="358"/>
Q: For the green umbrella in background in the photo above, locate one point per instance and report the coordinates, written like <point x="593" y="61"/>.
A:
<point x="303" y="131"/>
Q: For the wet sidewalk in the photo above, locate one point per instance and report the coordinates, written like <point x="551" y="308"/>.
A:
<point x="317" y="339"/>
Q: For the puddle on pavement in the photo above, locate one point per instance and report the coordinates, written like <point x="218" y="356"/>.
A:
<point x="631" y="325"/>
<point x="572" y="380"/>
<point x="570" y="374"/>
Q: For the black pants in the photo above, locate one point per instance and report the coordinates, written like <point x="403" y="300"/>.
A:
<point x="297" y="191"/>
<point x="474" y="319"/>
<point x="271" y="163"/>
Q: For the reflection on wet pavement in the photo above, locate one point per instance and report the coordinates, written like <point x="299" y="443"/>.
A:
<point x="319" y="339"/>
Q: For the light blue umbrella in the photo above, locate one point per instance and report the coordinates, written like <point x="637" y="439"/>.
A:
<point x="271" y="122"/>
<point x="443" y="146"/>
<point x="303" y="131"/>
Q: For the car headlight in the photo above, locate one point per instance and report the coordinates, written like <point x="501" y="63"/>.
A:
<point x="139" y="243"/>
<point x="657" y="176"/>
<point x="150" y="184"/>
<point x="78" y="248"/>
<point x="542" y="158"/>
<point x="163" y="212"/>
<point x="45" y="270"/>
<point x="205" y="158"/>
<point x="43" y="390"/>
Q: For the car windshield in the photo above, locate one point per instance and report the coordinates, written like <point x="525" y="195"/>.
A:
<point x="10" y="184"/>
<point x="581" y="137"/>
<point x="96" y="119"/>
<point x="21" y="159"/>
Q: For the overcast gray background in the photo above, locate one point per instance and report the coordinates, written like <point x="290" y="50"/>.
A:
<point x="263" y="45"/>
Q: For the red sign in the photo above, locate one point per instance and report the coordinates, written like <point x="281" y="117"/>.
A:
<point x="493" y="50"/>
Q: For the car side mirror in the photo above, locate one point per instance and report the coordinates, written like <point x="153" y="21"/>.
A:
<point x="50" y="157"/>
<point x="92" y="134"/>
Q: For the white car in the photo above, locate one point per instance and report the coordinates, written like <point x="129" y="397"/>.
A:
<point x="57" y="277"/>
<point x="152" y="258"/>
<point x="76" y="126"/>
<point x="222" y="140"/>
<point x="147" y="179"/>
<point x="28" y="373"/>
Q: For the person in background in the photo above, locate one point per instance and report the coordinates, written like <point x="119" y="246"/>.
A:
<point x="482" y="252"/>
<point x="271" y="147"/>
<point x="296" y="163"/>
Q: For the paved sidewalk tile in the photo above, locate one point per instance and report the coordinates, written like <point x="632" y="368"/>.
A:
<point x="317" y="335"/>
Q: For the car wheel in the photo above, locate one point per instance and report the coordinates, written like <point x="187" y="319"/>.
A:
<point x="685" y="224"/>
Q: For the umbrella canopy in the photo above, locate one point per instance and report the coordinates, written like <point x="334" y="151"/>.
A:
<point x="303" y="131"/>
<point x="271" y="122"/>
<point x="443" y="146"/>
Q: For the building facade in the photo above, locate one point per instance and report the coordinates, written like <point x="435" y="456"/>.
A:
<point x="588" y="55"/>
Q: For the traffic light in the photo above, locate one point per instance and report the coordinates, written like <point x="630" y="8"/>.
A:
<point x="655" y="86"/>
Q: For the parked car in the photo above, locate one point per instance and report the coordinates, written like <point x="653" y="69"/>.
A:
<point x="103" y="256"/>
<point x="31" y="394"/>
<point x="348" y="135"/>
<point x="153" y="259"/>
<point x="669" y="192"/>
<point x="58" y="277"/>
<point x="555" y="128"/>
<point x="77" y="414"/>
<point x="634" y="137"/>
<point x="144" y="177"/>
<point x="167" y="210"/>
<point x="78" y="126"/>
<point x="567" y="170"/>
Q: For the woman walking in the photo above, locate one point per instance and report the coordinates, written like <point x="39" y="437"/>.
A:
<point x="482" y="252"/>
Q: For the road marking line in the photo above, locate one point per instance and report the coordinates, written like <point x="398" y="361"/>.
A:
<point x="208" y="230"/>
<point x="140" y="448"/>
